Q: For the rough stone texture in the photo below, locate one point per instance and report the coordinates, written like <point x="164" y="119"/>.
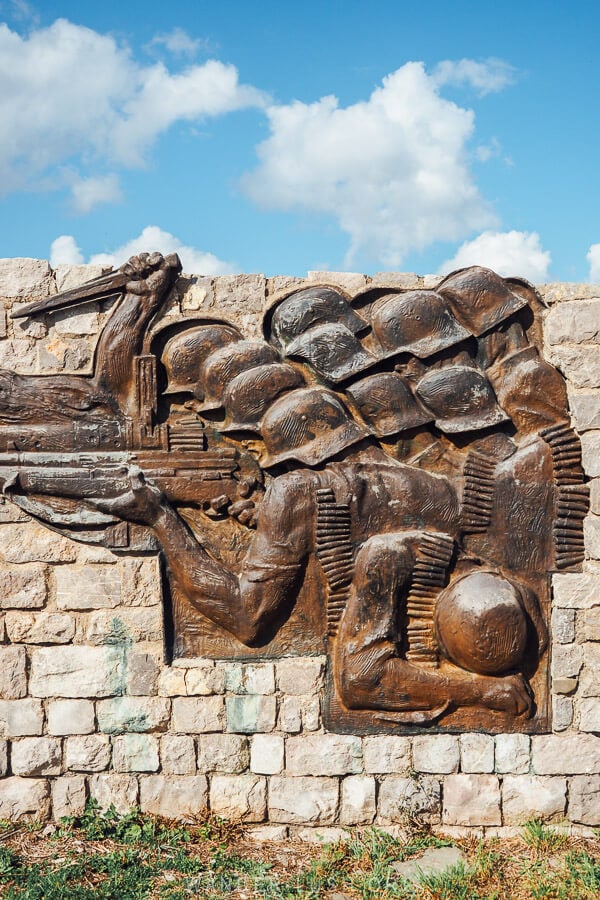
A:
<point x="135" y="753"/>
<point x="436" y="753"/>
<point x="87" y="753"/>
<point x="266" y="754"/>
<point x="386" y="754"/>
<point x="250" y="714"/>
<point x="303" y="800"/>
<point x="29" y="542"/>
<point x="290" y="715"/>
<point x="530" y="796"/>
<point x="121" y="714"/>
<point x="177" y="754"/>
<point x="476" y="753"/>
<point x="471" y="800"/>
<point x="120" y="791"/>
<point x="565" y="755"/>
<point x="69" y="795"/>
<point x="23" y="587"/>
<point x="222" y="753"/>
<point x="358" y="800"/>
<point x="195" y="715"/>
<point x="39" y="628"/>
<point x="13" y="675"/>
<point x="21" y="717"/>
<point x="585" y="411"/>
<point x="24" y="277"/>
<point x="176" y="797"/>
<point x="576" y="591"/>
<point x="76" y="590"/>
<point x="584" y="799"/>
<point x="323" y="754"/>
<point x="409" y="799"/>
<point x="24" y="798"/>
<point x="563" y="625"/>
<point x="34" y="756"/>
<point x="573" y="323"/>
<point x="238" y="797"/>
<point x="591" y="526"/>
<point x="142" y="674"/>
<point x="204" y="680"/>
<point x="562" y="713"/>
<point x="171" y="683"/>
<point x="434" y="861"/>
<point x="76" y="672"/>
<point x="300" y="675"/>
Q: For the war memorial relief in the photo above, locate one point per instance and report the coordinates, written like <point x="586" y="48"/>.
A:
<point x="386" y="479"/>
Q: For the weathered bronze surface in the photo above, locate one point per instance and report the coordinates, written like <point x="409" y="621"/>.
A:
<point x="390" y="478"/>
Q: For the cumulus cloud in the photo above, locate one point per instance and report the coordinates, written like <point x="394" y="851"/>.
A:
<point x="178" y="42"/>
<point x="71" y="97"/>
<point x="593" y="257"/>
<point x="393" y="170"/>
<point x="88" y="193"/>
<point x="65" y="250"/>
<point x="507" y="252"/>
<point x="487" y="77"/>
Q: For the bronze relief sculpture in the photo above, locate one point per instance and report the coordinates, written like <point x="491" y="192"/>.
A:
<point x="389" y="478"/>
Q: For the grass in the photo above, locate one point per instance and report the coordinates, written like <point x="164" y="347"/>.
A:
<point x="134" y="857"/>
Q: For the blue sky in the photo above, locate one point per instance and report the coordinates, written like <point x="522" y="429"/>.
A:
<point x="280" y="138"/>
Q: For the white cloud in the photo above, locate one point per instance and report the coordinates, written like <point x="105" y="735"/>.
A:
<point x="70" y="97"/>
<point x="487" y="77"/>
<point x="392" y="170"/>
<point x="507" y="252"/>
<point x="65" y="250"/>
<point x="178" y="42"/>
<point x="88" y="193"/>
<point x="593" y="257"/>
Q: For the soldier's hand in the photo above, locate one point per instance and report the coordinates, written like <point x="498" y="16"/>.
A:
<point x="151" y="272"/>
<point x="509" y="694"/>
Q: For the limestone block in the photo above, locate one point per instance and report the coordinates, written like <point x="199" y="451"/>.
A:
<point x="267" y="832"/>
<point x="241" y="798"/>
<point x="10" y="512"/>
<point x="183" y="797"/>
<point x="122" y="714"/>
<point x="250" y="678"/>
<point x="585" y="410"/>
<point x="135" y="753"/>
<point x="404" y="799"/>
<point x="120" y="791"/>
<point x="69" y="795"/>
<point x="141" y="581"/>
<point x="437" y="754"/>
<point x="223" y="753"/>
<point x="564" y="685"/>
<point x="590" y="627"/>
<point x="351" y="282"/>
<point x="121" y="626"/>
<point x="358" y="800"/>
<point x="323" y="754"/>
<point x="386" y="754"/>
<point x="77" y="322"/>
<point x="584" y="799"/>
<point x="87" y="753"/>
<point x="562" y="713"/>
<point x="3" y="758"/>
<point x="403" y="280"/>
<point x="303" y="800"/>
<point x="595" y="496"/>
<point x="19" y="355"/>
<point x="282" y="284"/>
<point x="21" y="717"/>
<point x="70" y="717"/>
<point x="23" y="587"/>
<point x="39" y="628"/>
<point x="266" y="754"/>
<point x="300" y="675"/>
<point x="567" y="660"/>
<point x="69" y="277"/>
<point x="529" y="796"/>
<point x="591" y="528"/>
<point x="2" y="322"/>
<point x="563" y="625"/>
<point x="26" y="542"/>
<point x="197" y="715"/>
<point x="24" y="798"/>
<point x="290" y="715"/>
<point x="177" y="754"/>
<point x="471" y="800"/>
<point x="171" y="682"/>
<point x="512" y="753"/>
<point x="561" y="291"/>
<point x="205" y="680"/>
<point x="573" y="323"/>
<point x="77" y="589"/>
<point x="24" y="277"/>
<point x="142" y="674"/>
<point x="576" y="591"/>
<point x="34" y="756"/>
<point x="311" y="713"/>
<point x="476" y="753"/>
<point x="573" y="754"/>
<point x="76" y="672"/>
<point x="580" y="364"/>
<point x="198" y="293"/>
<point x="589" y="714"/>
<point x="251" y="713"/>
<point x="234" y="293"/>
<point x="13" y="675"/>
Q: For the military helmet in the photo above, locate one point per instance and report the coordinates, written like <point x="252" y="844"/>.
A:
<point x="480" y="298"/>
<point x="309" y="425"/>
<point x="417" y="322"/>
<point x="461" y="398"/>
<point x="309" y="307"/>
<point x="480" y="623"/>
<point x="248" y="396"/>
<point x="184" y="353"/>
<point x="387" y="405"/>
<point x="332" y="351"/>
<point x="224" y="364"/>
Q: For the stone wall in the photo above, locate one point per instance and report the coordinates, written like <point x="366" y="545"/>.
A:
<point x="89" y="708"/>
